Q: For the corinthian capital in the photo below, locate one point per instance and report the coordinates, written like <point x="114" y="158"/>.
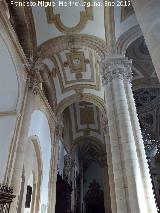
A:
<point x="116" y="67"/>
<point x="34" y="82"/>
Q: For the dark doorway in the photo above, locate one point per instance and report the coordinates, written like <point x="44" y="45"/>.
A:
<point x="94" y="199"/>
<point x="63" y="196"/>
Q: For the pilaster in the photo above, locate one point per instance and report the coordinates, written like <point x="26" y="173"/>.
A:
<point x="109" y="169"/>
<point x="55" y="135"/>
<point x="20" y="150"/>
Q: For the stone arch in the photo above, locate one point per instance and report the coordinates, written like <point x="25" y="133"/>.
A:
<point x="39" y="127"/>
<point x="127" y="38"/>
<point x="32" y="168"/>
<point x="35" y="140"/>
<point x="94" y="140"/>
<point x="22" y="21"/>
<point x="78" y="98"/>
<point x="10" y="96"/>
<point x="63" y="42"/>
<point x="100" y="160"/>
<point x="8" y="76"/>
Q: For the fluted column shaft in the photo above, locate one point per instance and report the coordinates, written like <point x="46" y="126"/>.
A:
<point x="129" y="188"/>
<point x="148" y="17"/>
<point x="121" y="204"/>
<point x="140" y="149"/>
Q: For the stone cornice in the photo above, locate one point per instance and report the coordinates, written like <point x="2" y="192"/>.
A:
<point x="127" y="38"/>
<point x="4" y="20"/>
<point x="34" y="84"/>
<point x="45" y="101"/>
<point x="8" y="113"/>
<point x="116" y="67"/>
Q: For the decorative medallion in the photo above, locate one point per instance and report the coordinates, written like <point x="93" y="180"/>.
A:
<point x="76" y="63"/>
<point x="86" y="115"/>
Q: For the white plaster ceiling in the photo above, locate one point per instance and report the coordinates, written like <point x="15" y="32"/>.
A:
<point x="85" y="121"/>
<point x="143" y="70"/>
<point x="58" y="22"/>
<point x="83" y="124"/>
<point x="8" y="80"/>
<point x="122" y="26"/>
<point x="73" y="69"/>
<point x="70" y="17"/>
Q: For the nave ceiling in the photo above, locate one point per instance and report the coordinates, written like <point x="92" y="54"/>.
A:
<point x="90" y="151"/>
<point x="85" y="119"/>
<point x="69" y="43"/>
<point x="83" y="133"/>
<point x="37" y="24"/>
<point x="73" y="64"/>
<point x="55" y="21"/>
<point x="65" y="56"/>
<point x="144" y="74"/>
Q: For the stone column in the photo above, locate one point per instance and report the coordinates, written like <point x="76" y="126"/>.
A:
<point x="56" y="135"/>
<point x="146" y="178"/>
<point x="148" y="17"/>
<point x="129" y="188"/>
<point x="32" y="88"/>
<point x="21" y="193"/>
<point x="119" y="184"/>
<point x="20" y="152"/>
<point x="81" y="187"/>
<point x="109" y="168"/>
<point x="106" y="184"/>
<point x="74" y="182"/>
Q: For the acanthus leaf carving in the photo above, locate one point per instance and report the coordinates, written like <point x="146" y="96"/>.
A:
<point x="34" y="82"/>
<point x="116" y="67"/>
